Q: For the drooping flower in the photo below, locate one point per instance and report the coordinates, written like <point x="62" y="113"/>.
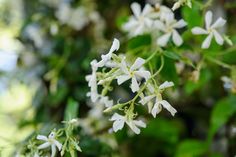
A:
<point x="210" y="30"/>
<point x="92" y="82"/>
<point x="120" y="120"/>
<point x="140" y="22"/>
<point x="168" y="27"/>
<point x="107" y="57"/>
<point x="50" y="141"/>
<point x="134" y="73"/>
<point x="155" y="108"/>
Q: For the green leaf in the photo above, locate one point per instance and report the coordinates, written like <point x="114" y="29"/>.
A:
<point x="191" y="148"/>
<point x="139" y="41"/>
<point x="172" y="55"/>
<point x="163" y="129"/>
<point x="169" y="71"/>
<point x="71" y="110"/>
<point x="192" y="16"/>
<point x="221" y="113"/>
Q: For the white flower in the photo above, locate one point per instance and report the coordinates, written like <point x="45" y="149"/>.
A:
<point x="159" y="102"/>
<point x="92" y="82"/>
<point x="105" y="100"/>
<point x="133" y="73"/>
<point x="211" y="30"/>
<point x="50" y="141"/>
<point x="78" y="18"/>
<point x="140" y="22"/>
<point x="169" y="28"/>
<point x="63" y="12"/>
<point x="106" y="58"/>
<point x="120" y="120"/>
<point x="161" y="12"/>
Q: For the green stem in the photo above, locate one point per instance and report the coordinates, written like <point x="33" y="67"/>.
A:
<point x="218" y="62"/>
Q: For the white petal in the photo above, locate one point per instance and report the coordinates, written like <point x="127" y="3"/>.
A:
<point x="137" y="64"/>
<point x="116" y="116"/>
<point x="148" y="22"/>
<point x="123" y="66"/>
<point x="53" y="149"/>
<point x="219" y="23"/>
<point x="134" y="85"/>
<point x="44" y="145"/>
<point x="176" y="6"/>
<point x="139" y="123"/>
<point x="166" y="84"/>
<point x="142" y="73"/>
<point x="208" y="19"/>
<point x="156" y="109"/>
<point x="150" y="88"/>
<point x="115" y="45"/>
<point x="139" y="29"/>
<point x="136" y="8"/>
<point x="118" y="125"/>
<point x="122" y="78"/>
<point x="42" y="137"/>
<point x="167" y="106"/>
<point x="135" y="129"/>
<point x="181" y="23"/>
<point x="159" y="25"/>
<point x="218" y="38"/>
<point x="162" y="41"/>
<point x="58" y="144"/>
<point x="130" y="25"/>
<point x="177" y="38"/>
<point x="206" y="43"/>
<point x="199" y="30"/>
<point x="147" y="9"/>
<point x="146" y="99"/>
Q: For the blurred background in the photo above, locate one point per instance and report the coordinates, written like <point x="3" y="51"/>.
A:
<point x="46" y="47"/>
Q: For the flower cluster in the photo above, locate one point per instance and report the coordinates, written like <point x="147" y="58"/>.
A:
<point x="78" y="17"/>
<point x="158" y="19"/>
<point x="142" y="83"/>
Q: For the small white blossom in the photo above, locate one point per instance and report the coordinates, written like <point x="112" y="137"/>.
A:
<point x="140" y="22"/>
<point x="92" y="82"/>
<point x="211" y="30"/>
<point x="134" y="73"/>
<point x="106" y="58"/>
<point x="50" y="141"/>
<point x="159" y="102"/>
<point x="169" y="27"/>
<point x="120" y="120"/>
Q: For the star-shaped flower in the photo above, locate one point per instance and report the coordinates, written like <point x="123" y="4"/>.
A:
<point x="50" y="141"/>
<point x="159" y="102"/>
<point x="168" y="27"/>
<point x="120" y="120"/>
<point x="134" y="73"/>
<point x="140" y="22"/>
<point x="211" y="30"/>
